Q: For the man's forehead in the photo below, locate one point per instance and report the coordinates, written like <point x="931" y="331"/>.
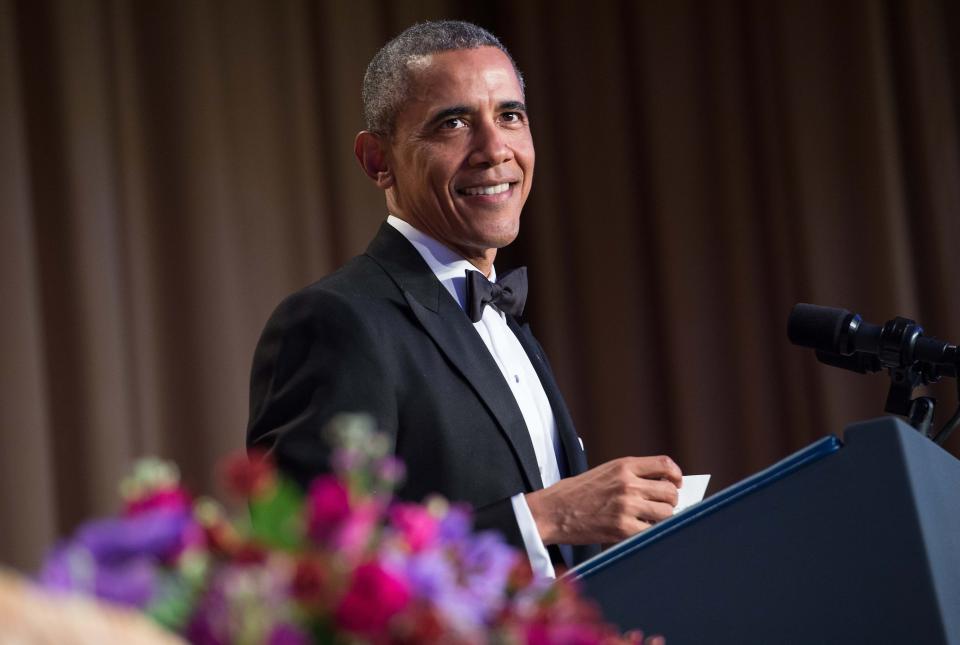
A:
<point x="460" y="70"/>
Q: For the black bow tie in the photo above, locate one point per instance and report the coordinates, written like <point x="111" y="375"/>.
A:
<point x="508" y="293"/>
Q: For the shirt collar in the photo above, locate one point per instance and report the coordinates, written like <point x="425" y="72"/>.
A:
<point x="446" y="264"/>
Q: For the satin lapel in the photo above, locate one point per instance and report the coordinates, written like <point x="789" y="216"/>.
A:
<point x="576" y="460"/>
<point x="445" y="322"/>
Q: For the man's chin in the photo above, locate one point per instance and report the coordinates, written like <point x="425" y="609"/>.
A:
<point x="500" y="238"/>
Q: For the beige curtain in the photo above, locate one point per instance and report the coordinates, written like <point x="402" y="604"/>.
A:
<point x="170" y="170"/>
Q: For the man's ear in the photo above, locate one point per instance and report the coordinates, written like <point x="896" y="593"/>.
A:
<point x="371" y="151"/>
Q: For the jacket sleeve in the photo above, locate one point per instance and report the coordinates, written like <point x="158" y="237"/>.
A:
<point x="317" y="357"/>
<point x="499" y="516"/>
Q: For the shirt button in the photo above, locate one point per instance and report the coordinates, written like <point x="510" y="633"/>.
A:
<point x="516" y="377"/>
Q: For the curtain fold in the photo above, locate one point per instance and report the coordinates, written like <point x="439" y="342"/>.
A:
<point x="170" y="170"/>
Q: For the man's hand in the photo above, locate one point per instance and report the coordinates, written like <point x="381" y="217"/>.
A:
<point x="608" y="503"/>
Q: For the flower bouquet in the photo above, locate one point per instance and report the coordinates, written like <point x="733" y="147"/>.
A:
<point x="341" y="563"/>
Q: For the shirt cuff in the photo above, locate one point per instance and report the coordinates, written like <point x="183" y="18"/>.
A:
<point x="536" y="550"/>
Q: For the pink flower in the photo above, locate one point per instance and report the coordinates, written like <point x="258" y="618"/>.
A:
<point x="417" y="525"/>
<point x="391" y="470"/>
<point x="374" y="597"/>
<point x="355" y="532"/>
<point x="328" y="507"/>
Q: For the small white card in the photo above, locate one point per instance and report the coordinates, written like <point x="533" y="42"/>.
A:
<point x="692" y="491"/>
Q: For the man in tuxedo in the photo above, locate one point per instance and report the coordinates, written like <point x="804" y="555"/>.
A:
<point x="420" y="333"/>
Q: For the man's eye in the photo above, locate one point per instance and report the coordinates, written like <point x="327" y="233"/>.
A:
<point x="452" y="124"/>
<point x="511" y="117"/>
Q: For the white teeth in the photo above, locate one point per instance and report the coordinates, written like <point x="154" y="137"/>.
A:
<point x="486" y="190"/>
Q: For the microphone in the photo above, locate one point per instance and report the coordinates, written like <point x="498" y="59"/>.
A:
<point x="842" y="339"/>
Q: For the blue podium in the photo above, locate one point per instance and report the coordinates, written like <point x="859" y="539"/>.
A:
<point x="843" y="542"/>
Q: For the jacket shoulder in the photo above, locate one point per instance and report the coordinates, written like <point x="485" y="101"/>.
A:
<point x="359" y="284"/>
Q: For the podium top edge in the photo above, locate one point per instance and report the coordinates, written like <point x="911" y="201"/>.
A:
<point x="803" y="457"/>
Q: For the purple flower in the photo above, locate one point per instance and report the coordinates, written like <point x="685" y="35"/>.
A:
<point x="159" y="533"/>
<point x="455" y="524"/>
<point x="245" y="603"/>
<point x="433" y="577"/>
<point x="465" y="579"/>
<point x="391" y="470"/>
<point x="487" y="562"/>
<point x="73" y="568"/>
<point x="132" y="582"/>
<point x="288" y="634"/>
<point x="345" y="461"/>
<point x="118" y="559"/>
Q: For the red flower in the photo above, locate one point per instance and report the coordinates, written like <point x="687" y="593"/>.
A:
<point x="521" y="576"/>
<point x="328" y="507"/>
<point x="374" y="597"/>
<point x="249" y="476"/>
<point x="250" y="553"/>
<point x="309" y="581"/>
<point x="420" y="624"/>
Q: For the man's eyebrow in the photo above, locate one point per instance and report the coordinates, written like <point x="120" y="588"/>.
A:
<point x="448" y="113"/>
<point x="513" y="106"/>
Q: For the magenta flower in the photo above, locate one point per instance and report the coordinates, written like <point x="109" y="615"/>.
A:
<point x="170" y="499"/>
<point x="328" y="505"/>
<point x="572" y="633"/>
<point x="416" y="524"/>
<point x="374" y="596"/>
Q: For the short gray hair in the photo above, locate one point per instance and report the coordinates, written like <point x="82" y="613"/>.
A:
<point x="386" y="82"/>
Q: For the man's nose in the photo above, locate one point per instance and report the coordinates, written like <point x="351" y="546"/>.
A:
<point x="490" y="145"/>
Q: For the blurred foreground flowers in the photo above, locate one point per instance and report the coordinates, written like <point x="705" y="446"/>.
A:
<point x="340" y="563"/>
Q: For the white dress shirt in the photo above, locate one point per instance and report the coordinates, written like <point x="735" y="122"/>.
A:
<point x="517" y="371"/>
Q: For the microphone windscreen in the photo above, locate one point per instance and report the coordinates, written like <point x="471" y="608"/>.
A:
<point x="817" y="327"/>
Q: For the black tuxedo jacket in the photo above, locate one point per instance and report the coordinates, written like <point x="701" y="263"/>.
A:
<point x="383" y="336"/>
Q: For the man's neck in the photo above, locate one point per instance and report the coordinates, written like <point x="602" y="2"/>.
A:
<point x="482" y="259"/>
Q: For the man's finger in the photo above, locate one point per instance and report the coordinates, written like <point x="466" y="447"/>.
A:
<point x="658" y="490"/>
<point x="659" y="467"/>
<point x="653" y="512"/>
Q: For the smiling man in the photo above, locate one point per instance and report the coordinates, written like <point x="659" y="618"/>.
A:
<point x="420" y="332"/>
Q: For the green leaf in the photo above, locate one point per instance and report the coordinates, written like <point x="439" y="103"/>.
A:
<point x="175" y="602"/>
<point x="277" y="520"/>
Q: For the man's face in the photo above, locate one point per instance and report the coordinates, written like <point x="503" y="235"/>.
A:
<point x="461" y="152"/>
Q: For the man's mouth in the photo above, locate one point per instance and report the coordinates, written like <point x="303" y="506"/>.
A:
<point x="496" y="189"/>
